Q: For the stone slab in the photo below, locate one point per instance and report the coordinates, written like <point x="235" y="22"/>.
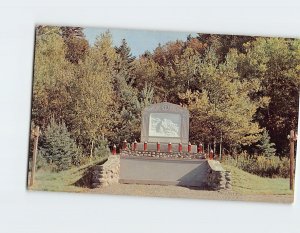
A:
<point x="191" y="173"/>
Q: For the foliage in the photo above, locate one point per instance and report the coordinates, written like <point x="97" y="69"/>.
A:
<point x="272" y="166"/>
<point x="58" y="148"/>
<point x="232" y="85"/>
<point x="222" y="104"/>
<point x="265" y="146"/>
<point x="275" y="62"/>
<point x="53" y="76"/>
<point x="41" y="161"/>
<point x="92" y="108"/>
<point x="101" y="149"/>
<point x="223" y="43"/>
<point x="76" y="44"/>
<point x="124" y="64"/>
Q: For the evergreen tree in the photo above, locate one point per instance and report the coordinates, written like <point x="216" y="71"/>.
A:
<point x="265" y="146"/>
<point x="124" y="65"/>
<point x="58" y="147"/>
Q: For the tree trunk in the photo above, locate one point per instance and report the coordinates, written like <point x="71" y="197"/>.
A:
<point x="92" y="147"/>
<point x="220" y="156"/>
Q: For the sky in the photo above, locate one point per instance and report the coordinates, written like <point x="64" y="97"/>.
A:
<point x="138" y="40"/>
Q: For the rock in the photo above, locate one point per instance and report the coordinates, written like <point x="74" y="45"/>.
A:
<point x="95" y="185"/>
<point x="228" y="186"/>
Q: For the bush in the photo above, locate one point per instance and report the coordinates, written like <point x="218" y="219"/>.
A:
<point x="41" y="161"/>
<point x="265" y="146"/>
<point x="58" y="148"/>
<point x="265" y="166"/>
<point x="101" y="148"/>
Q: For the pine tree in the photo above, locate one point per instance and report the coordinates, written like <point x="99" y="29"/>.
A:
<point x="265" y="146"/>
<point x="58" y="147"/>
<point x="124" y="65"/>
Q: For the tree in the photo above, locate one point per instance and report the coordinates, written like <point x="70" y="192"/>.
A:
<point x="124" y="65"/>
<point x="181" y="76"/>
<point x="77" y="45"/>
<point x="275" y="62"/>
<point x="53" y="76"/>
<point x="146" y="71"/>
<point x="223" y="43"/>
<point x="196" y="45"/>
<point x="93" y="110"/>
<point x="265" y="146"/>
<point x="59" y="149"/>
<point x="222" y="104"/>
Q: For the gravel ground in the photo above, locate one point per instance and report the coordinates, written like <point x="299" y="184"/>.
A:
<point x="183" y="192"/>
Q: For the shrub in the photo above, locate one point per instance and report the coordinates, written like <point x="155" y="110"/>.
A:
<point x="58" y="148"/>
<point x="101" y="148"/>
<point x="265" y="146"/>
<point x="41" y="161"/>
<point x="265" y="166"/>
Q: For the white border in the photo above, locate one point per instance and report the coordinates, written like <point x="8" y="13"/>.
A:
<point x="22" y="211"/>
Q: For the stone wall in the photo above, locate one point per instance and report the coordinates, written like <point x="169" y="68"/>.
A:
<point x="156" y="154"/>
<point x="110" y="171"/>
<point x="102" y="175"/>
<point x="152" y="146"/>
<point x="217" y="177"/>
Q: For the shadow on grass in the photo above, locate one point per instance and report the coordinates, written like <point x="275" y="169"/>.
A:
<point x="90" y="174"/>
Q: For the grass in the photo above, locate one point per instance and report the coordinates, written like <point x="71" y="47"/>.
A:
<point x="246" y="183"/>
<point x="61" y="181"/>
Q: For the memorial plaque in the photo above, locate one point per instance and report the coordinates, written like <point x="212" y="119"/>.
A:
<point x="165" y="122"/>
<point x="164" y="125"/>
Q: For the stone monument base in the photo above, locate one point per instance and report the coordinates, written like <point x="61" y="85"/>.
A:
<point x="200" y="173"/>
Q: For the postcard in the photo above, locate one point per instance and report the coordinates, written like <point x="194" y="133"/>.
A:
<point x="164" y="114"/>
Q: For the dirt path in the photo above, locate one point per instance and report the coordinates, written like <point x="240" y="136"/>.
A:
<point x="183" y="192"/>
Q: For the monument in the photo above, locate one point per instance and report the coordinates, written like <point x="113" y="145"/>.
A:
<point x="164" y="129"/>
<point x="164" y="156"/>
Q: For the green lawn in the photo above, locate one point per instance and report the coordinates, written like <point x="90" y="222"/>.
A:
<point x="62" y="181"/>
<point x="246" y="183"/>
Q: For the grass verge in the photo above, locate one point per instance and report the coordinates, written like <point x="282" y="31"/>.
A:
<point x="246" y="183"/>
<point x="62" y="181"/>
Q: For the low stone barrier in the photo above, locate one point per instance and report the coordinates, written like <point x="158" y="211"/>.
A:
<point x="102" y="175"/>
<point x="217" y="177"/>
<point x="158" y="154"/>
